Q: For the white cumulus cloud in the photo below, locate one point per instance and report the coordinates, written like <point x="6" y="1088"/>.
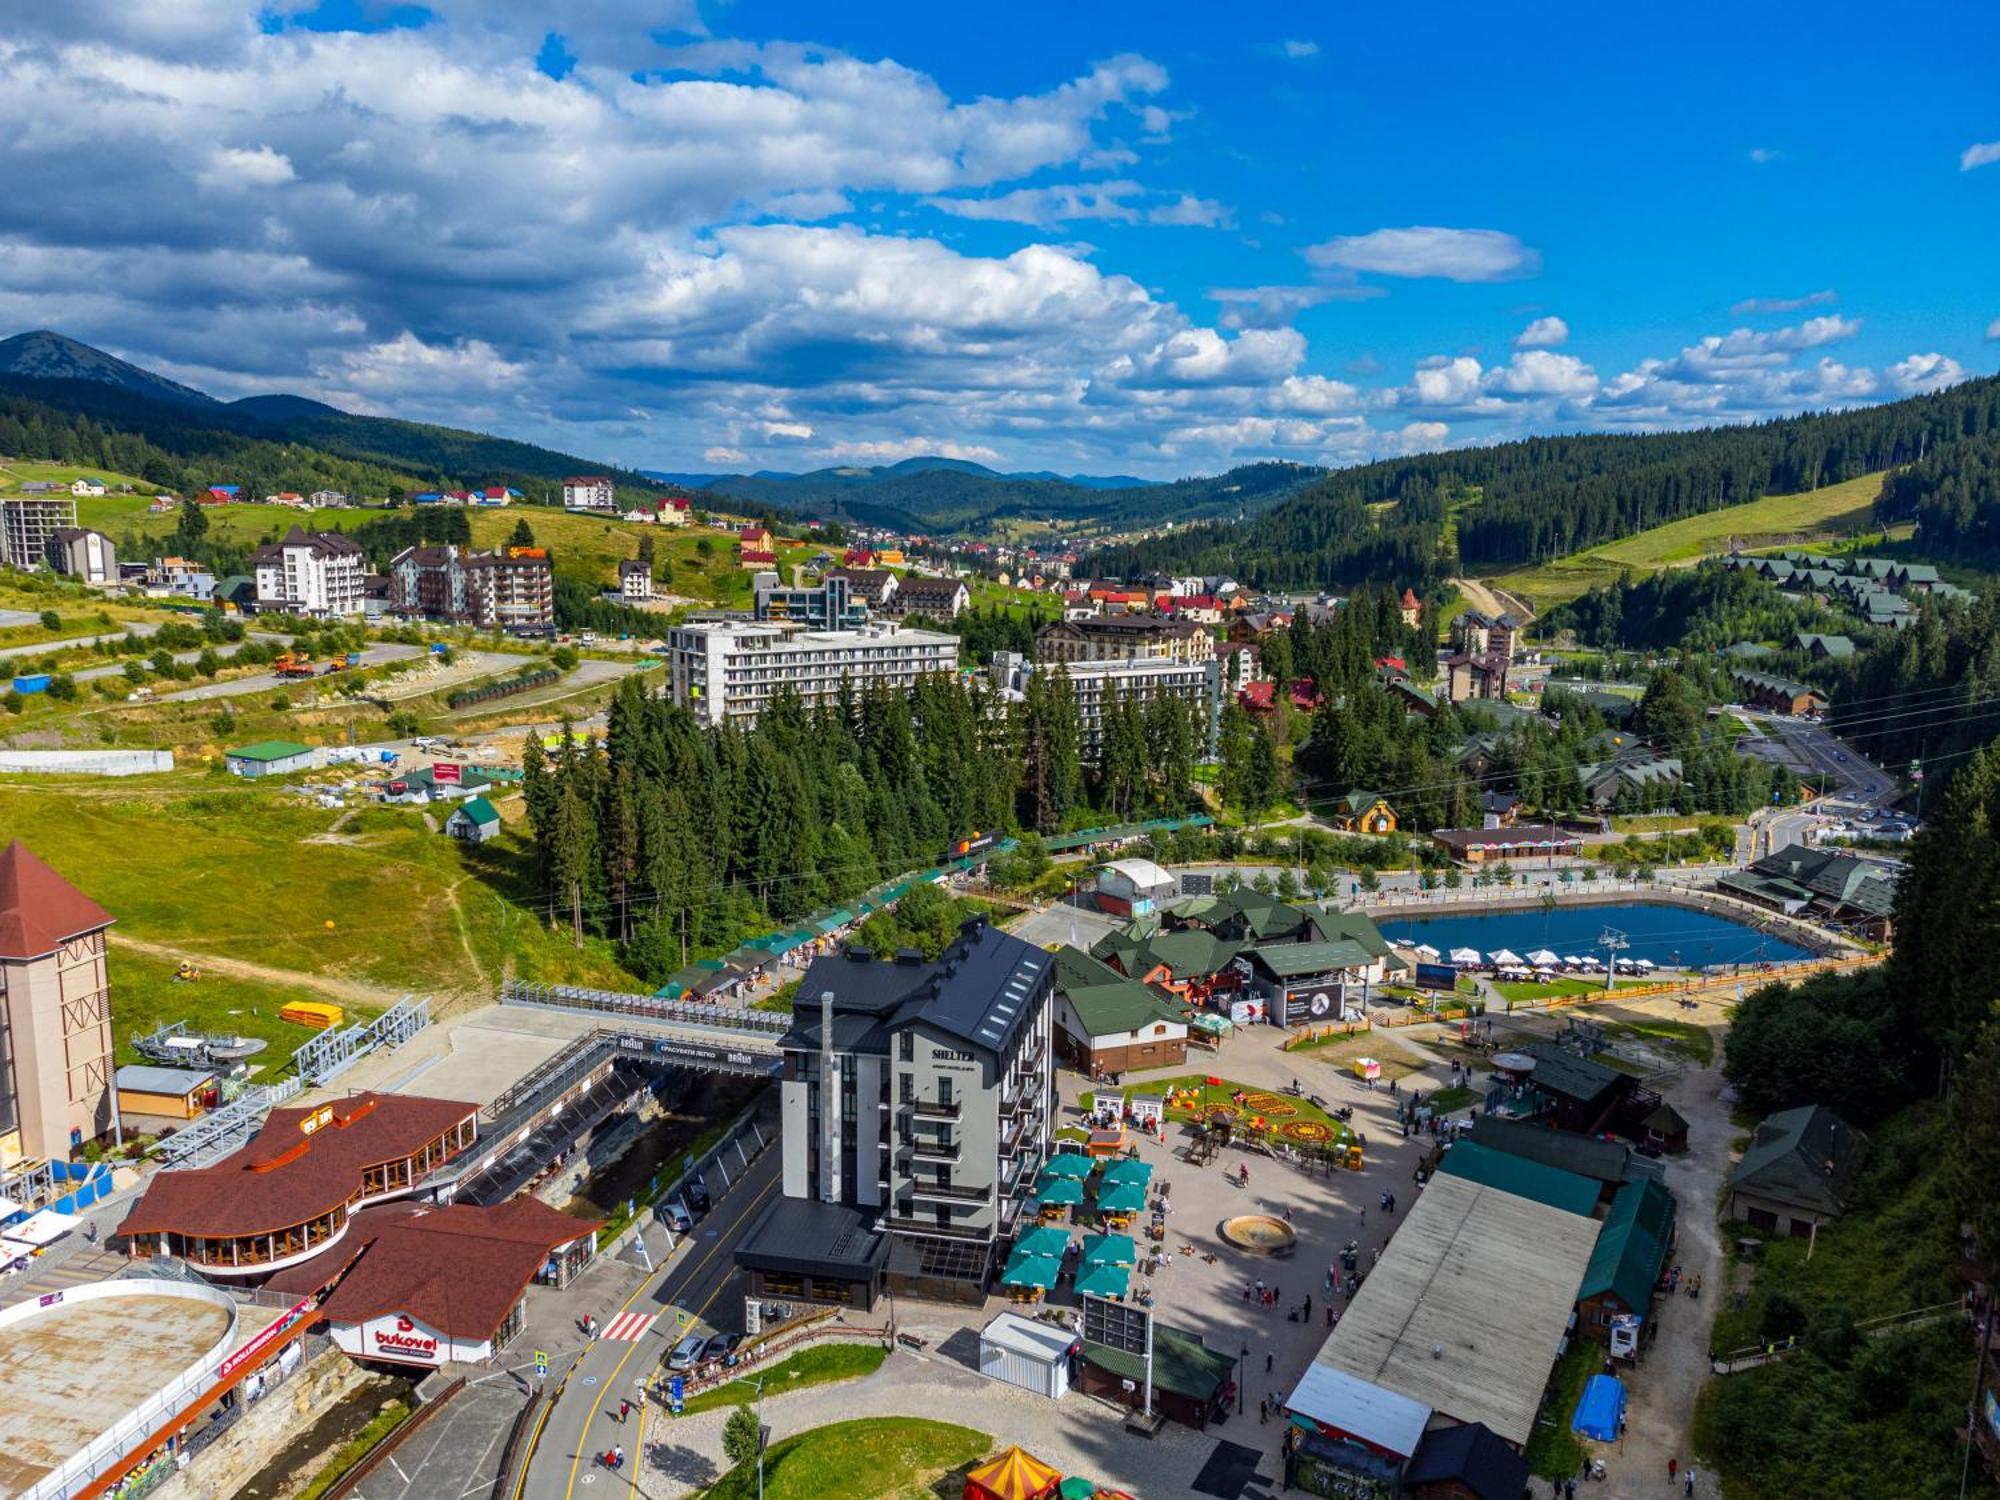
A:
<point x="1750" y="305"/>
<point x="1300" y="49"/>
<point x="1982" y="155"/>
<point x="1925" y="372"/>
<point x="1543" y="333"/>
<point x="1453" y="254"/>
<point x="1993" y="331"/>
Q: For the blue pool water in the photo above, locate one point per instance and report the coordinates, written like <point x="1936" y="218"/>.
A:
<point x="1664" y="933"/>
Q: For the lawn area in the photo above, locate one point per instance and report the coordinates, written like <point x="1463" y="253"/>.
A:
<point x="1306" y="1123"/>
<point x="586" y="547"/>
<point x="1453" y="1096"/>
<point x="1555" y="989"/>
<point x="15" y="472"/>
<point x="211" y="866"/>
<point x="1554" y="1452"/>
<point x="820" y="1366"/>
<point x="145" y="994"/>
<point x="1816" y="515"/>
<point x="1696" y="1043"/>
<point x="879" y="1458"/>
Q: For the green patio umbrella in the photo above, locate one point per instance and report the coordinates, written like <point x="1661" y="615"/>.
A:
<point x="1129" y="1169"/>
<point x="1121" y="1198"/>
<point x="1068" y="1164"/>
<point x="1103" y="1281"/>
<point x="1036" y="1270"/>
<point x="1060" y="1191"/>
<point x="1109" y="1250"/>
<point x="1047" y="1240"/>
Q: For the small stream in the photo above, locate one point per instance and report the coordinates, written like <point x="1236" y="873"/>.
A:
<point x="330" y="1429"/>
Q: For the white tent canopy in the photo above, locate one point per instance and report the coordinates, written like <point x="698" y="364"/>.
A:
<point x="41" y="1229"/>
<point x="1543" y="958"/>
<point x="1425" y="950"/>
<point x="1504" y="958"/>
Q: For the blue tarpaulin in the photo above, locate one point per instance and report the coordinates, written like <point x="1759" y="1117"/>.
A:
<point x="1598" y="1413"/>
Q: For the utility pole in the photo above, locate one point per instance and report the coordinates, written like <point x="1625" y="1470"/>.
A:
<point x="1613" y="942"/>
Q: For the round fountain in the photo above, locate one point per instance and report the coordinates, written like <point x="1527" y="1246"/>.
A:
<point x="1260" y="1234"/>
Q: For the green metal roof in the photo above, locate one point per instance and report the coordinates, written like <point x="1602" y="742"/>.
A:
<point x="479" y="810"/>
<point x="270" y="750"/>
<point x="1182" y="1363"/>
<point x="1521" y="1177"/>
<point x="1288" y="960"/>
<point x="1631" y="1247"/>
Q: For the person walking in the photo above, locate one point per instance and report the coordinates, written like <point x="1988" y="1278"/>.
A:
<point x="1268" y="1357"/>
<point x="1673" y="1467"/>
<point x="1690" y="1477"/>
<point x="617" y="1455"/>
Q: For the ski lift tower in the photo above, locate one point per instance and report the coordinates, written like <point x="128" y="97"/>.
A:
<point x="1613" y="942"/>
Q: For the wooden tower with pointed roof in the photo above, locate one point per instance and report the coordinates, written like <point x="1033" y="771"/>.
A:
<point x="55" y="1013"/>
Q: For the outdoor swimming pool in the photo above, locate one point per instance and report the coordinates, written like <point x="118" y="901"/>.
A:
<point x="1667" y="934"/>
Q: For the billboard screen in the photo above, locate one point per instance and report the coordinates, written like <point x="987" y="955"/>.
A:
<point x="1436" y="977"/>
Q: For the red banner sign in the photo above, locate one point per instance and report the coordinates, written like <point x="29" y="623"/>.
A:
<point x="264" y="1340"/>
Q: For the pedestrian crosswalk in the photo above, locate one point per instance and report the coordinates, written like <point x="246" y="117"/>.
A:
<point x="629" y="1327"/>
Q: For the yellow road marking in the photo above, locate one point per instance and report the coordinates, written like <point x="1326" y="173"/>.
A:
<point x="611" y="1381"/>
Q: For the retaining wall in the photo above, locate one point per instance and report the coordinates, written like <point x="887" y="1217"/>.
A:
<point x="86" y="762"/>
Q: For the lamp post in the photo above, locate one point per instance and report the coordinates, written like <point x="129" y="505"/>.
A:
<point x="1240" y="1359"/>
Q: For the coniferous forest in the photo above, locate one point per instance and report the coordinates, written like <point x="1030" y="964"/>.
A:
<point x="1521" y="503"/>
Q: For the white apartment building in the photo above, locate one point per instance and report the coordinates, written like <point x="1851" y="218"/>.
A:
<point x="589" y="492"/>
<point x="1097" y="685"/>
<point x="728" y="670"/>
<point x="27" y="525"/>
<point x="317" y="576"/>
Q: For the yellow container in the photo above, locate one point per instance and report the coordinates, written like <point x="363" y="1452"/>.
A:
<point x="314" y="1013"/>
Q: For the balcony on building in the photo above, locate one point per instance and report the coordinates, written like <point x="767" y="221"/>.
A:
<point x="937" y="1109"/>
<point x="949" y="1192"/>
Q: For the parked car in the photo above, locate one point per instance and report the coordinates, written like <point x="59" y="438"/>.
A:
<point x="697" y="1197"/>
<point x="678" y="1219"/>
<point x="687" y="1353"/>
<point x="719" y="1346"/>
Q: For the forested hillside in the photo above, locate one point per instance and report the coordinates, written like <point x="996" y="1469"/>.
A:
<point x="928" y="496"/>
<point x="1953" y="494"/>
<point x="268" y="444"/>
<point x="1521" y="503"/>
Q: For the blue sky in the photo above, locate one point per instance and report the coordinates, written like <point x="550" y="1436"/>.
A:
<point x="1153" y="239"/>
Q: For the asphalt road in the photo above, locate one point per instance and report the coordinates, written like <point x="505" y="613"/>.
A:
<point x="1852" y="782"/>
<point x="264" y="682"/>
<point x="699" y="1282"/>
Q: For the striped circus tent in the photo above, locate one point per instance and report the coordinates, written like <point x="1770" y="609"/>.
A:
<point x="1014" y="1475"/>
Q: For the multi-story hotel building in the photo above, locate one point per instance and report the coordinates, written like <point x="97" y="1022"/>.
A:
<point x="511" y="590"/>
<point x="1124" y="638"/>
<point x="919" y="1102"/>
<point x="317" y="576"/>
<point x="26" y="525"/>
<point x="55" y="1014"/>
<point x="730" y="669"/>
<point x="1098" y="685"/>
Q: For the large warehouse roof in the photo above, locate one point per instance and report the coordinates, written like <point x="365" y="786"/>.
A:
<point x="1427" y="1323"/>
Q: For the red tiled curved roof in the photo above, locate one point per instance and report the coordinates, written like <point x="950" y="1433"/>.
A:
<point x="287" y="1175"/>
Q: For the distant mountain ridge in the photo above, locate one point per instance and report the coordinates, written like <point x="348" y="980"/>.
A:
<point x="950" y="494"/>
<point x="247" y="438"/>
<point x="47" y="355"/>
<point x="68" y="376"/>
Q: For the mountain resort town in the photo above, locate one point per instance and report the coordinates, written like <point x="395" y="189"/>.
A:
<point x="844" y="754"/>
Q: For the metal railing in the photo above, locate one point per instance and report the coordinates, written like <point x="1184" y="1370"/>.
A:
<point x="332" y="1053"/>
<point x="937" y="1109"/>
<point x="214" y="1136"/>
<point x="951" y="1192"/>
<point x="704" y="1013"/>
